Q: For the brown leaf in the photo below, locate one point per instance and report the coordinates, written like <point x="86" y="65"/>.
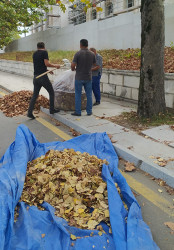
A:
<point x="129" y="167"/>
<point x="113" y="141"/>
<point x="170" y="225"/>
<point x="110" y="136"/>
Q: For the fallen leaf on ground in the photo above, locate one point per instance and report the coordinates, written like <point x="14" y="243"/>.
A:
<point x="113" y="141"/>
<point x="170" y="225"/>
<point x="172" y="127"/>
<point x="160" y="191"/>
<point x="152" y="157"/>
<point x="17" y="103"/>
<point x="110" y="136"/>
<point x="129" y="167"/>
<point x="74" y="133"/>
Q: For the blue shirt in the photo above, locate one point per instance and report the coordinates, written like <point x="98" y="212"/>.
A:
<point x="99" y="62"/>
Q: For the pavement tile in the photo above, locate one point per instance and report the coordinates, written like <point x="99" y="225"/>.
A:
<point x="109" y="128"/>
<point x="162" y="133"/>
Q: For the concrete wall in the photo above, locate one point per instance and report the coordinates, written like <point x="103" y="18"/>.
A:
<point x="124" y="84"/>
<point x="122" y="31"/>
<point x="119" y="32"/>
<point x="114" y="83"/>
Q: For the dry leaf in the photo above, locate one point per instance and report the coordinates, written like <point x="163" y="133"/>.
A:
<point x="170" y="225"/>
<point x="17" y="103"/>
<point x="129" y="167"/>
<point x="110" y="136"/>
<point x="73" y="237"/>
<point x="152" y="157"/>
<point x="113" y="141"/>
<point x="71" y="182"/>
<point x="43" y="235"/>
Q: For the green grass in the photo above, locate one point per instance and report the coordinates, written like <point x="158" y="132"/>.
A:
<point x="57" y="56"/>
<point x="26" y="56"/>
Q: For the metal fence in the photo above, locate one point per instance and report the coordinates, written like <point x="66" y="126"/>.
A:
<point x="77" y="15"/>
<point x="109" y="8"/>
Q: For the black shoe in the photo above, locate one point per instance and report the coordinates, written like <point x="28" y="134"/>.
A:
<point x="54" y="111"/>
<point x="89" y="114"/>
<point x="31" y="116"/>
<point x="75" y="114"/>
<point x="96" y="103"/>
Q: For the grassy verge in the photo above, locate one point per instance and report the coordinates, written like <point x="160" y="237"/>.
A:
<point x="54" y="56"/>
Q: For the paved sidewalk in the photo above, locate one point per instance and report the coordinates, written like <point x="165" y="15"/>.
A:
<point x="143" y="152"/>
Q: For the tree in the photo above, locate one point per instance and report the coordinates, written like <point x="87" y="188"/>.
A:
<point x="19" y="13"/>
<point x="151" y="90"/>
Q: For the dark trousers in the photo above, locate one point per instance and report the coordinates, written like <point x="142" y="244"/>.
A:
<point x="38" y="84"/>
<point x="96" y="87"/>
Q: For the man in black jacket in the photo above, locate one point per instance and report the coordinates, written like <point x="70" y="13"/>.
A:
<point x="41" y="62"/>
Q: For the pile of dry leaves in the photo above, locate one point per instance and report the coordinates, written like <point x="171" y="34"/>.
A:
<point x="71" y="182"/>
<point x="17" y="103"/>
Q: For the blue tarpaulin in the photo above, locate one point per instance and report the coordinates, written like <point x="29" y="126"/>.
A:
<point x="27" y="233"/>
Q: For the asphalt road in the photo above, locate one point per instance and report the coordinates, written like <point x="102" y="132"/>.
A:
<point x="157" y="207"/>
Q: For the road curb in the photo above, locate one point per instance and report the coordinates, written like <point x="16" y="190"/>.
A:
<point x="138" y="160"/>
<point x="8" y="90"/>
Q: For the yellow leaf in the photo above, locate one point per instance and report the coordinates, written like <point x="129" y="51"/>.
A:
<point x="106" y="213"/>
<point x="68" y="210"/>
<point x="80" y="210"/>
<point x="98" y="9"/>
<point x="100" y="189"/>
<point x="92" y="224"/>
<point x="73" y="237"/>
<point x="100" y="233"/>
<point x="70" y="190"/>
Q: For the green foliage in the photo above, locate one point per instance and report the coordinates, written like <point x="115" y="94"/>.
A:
<point x="139" y="54"/>
<point x="19" y="14"/>
<point x="172" y="45"/>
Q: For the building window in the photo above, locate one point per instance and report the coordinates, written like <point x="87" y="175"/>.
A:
<point x="94" y="14"/>
<point x="109" y="8"/>
<point x="130" y="3"/>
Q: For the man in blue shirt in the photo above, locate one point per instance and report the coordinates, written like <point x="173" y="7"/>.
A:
<point x="96" y="75"/>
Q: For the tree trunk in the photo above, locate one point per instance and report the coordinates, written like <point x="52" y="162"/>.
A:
<point x="151" y="100"/>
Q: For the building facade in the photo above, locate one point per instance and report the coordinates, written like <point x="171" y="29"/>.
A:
<point x="118" y="26"/>
<point x="55" y="18"/>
